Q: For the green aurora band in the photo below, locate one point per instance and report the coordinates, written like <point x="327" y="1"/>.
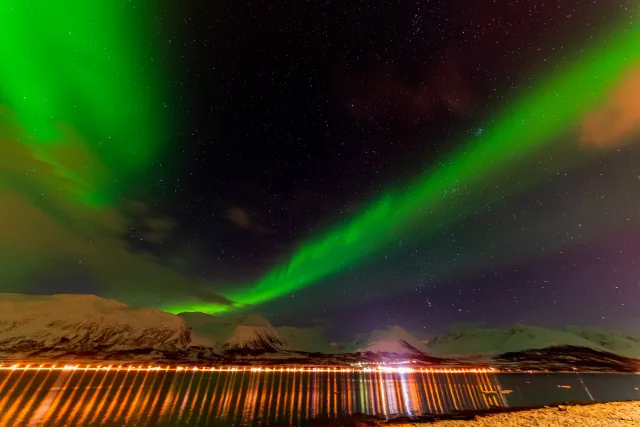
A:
<point x="80" y="65"/>
<point x="541" y="114"/>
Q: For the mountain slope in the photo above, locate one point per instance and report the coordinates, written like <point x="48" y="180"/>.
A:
<point x="391" y="340"/>
<point x="304" y="339"/>
<point x="472" y="341"/>
<point x="235" y="333"/>
<point x="86" y="326"/>
<point x="205" y="329"/>
<point x="85" y="323"/>
<point x="567" y="358"/>
<point x="614" y="341"/>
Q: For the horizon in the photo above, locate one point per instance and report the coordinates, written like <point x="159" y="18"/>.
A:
<point x="329" y="335"/>
<point x="315" y="214"/>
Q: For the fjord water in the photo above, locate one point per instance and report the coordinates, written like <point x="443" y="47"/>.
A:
<point x="244" y="398"/>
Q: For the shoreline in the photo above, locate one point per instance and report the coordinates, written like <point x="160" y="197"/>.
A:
<point x="84" y="364"/>
<point x="173" y="367"/>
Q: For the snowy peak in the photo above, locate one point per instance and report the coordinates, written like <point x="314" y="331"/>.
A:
<point x="392" y="340"/>
<point x="567" y="358"/>
<point x="617" y="342"/>
<point x="308" y="340"/>
<point x="92" y="327"/>
<point x="470" y="341"/>
<point x="85" y="323"/>
<point x="235" y="333"/>
<point x="251" y="337"/>
<point x="256" y="321"/>
<point x="473" y="341"/>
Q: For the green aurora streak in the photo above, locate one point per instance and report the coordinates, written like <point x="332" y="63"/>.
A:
<point x="80" y="64"/>
<point x="541" y="114"/>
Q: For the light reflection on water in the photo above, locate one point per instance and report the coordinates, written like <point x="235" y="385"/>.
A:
<point x="243" y="398"/>
<point x="71" y="398"/>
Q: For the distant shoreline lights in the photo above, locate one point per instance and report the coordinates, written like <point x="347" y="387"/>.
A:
<point x="250" y="369"/>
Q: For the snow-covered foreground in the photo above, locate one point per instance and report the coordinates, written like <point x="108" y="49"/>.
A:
<point x="614" y="414"/>
<point x="89" y="326"/>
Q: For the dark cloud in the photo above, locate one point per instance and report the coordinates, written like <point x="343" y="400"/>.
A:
<point x="49" y="227"/>
<point x="242" y="219"/>
<point x="206" y="296"/>
<point x="148" y="225"/>
<point x="239" y="217"/>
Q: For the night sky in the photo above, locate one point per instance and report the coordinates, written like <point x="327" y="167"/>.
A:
<point x="275" y="123"/>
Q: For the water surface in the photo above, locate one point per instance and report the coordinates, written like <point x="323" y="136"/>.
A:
<point x="244" y="398"/>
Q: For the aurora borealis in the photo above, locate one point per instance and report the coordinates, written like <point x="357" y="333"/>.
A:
<point x="71" y="64"/>
<point x="541" y="115"/>
<point x="80" y="121"/>
<point x="176" y="164"/>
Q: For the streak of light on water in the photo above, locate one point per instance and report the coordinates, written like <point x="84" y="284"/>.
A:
<point x="64" y="396"/>
<point x="70" y="395"/>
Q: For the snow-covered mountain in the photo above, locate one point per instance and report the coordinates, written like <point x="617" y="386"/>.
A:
<point x="308" y="340"/>
<point x="473" y="341"/>
<point x="92" y="327"/>
<point x="617" y="342"/>
<point x="203" y="328"/>
<point x="231" y="333"/>
<point x="566" y="358"/>
<point x="84" y="324"/>
<point x="391" y="340"/>
<point x="253" y="332"/>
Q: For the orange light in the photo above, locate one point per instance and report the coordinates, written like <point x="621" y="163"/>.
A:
<point x="150" y="368"/>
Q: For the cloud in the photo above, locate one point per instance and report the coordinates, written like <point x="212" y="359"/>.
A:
<point x="205" y="295"/>
<point x="242" y="219"/>
<point x="616" y="121"/>
<point x="239" y="217"/>
<point x="149" y="226"/>
<point x="58" y="228"/>
<point x="158" y="229"/>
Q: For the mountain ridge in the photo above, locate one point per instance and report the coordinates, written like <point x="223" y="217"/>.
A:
<point x="87" y="326"/>
<point x="85" y="323"/>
